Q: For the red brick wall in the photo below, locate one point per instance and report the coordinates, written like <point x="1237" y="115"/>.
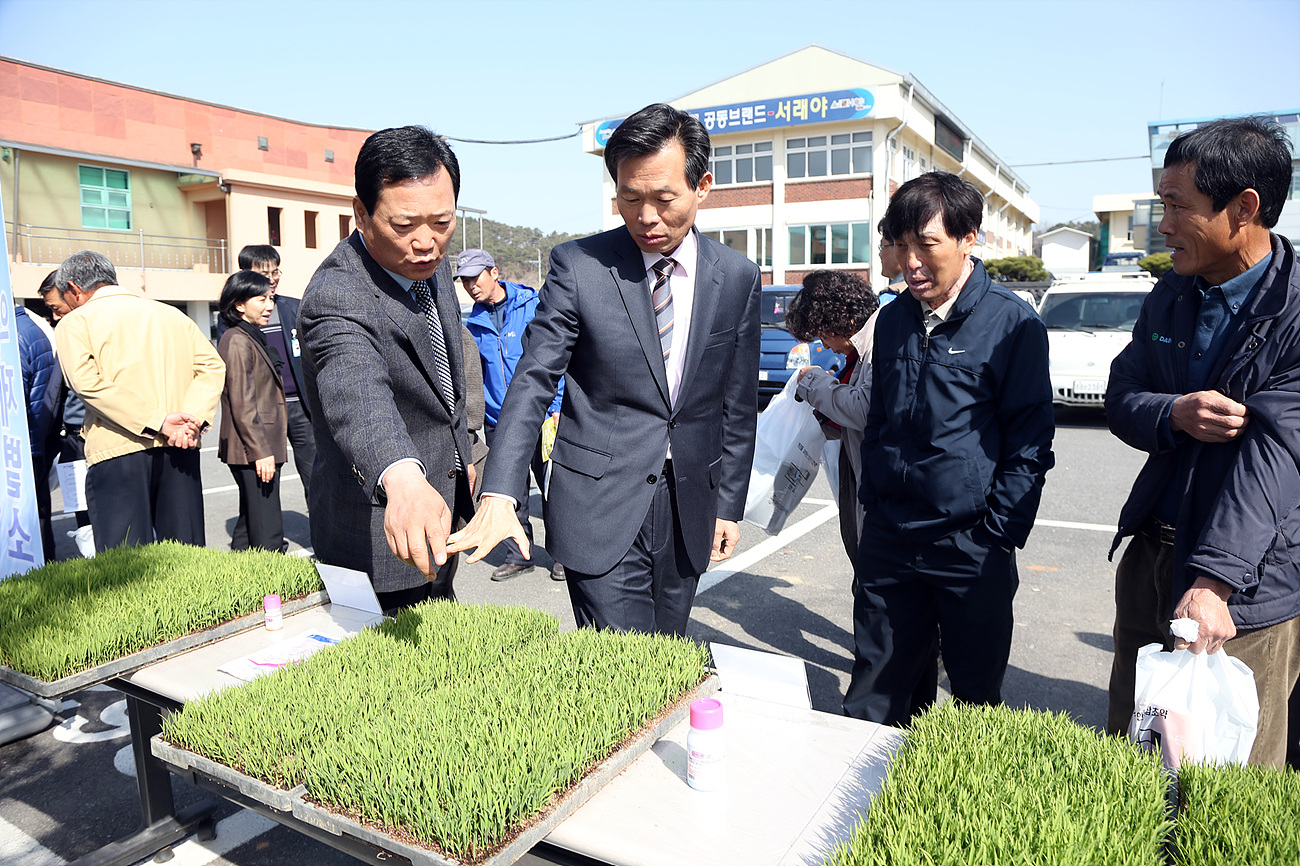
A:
<point x="828" y="190"/>
<point x="58" y="109"/>
<point x="725" y="196"/>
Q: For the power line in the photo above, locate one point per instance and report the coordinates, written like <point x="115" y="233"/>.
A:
<point x="573" y="134"/>
<point x="1077" y="161"/>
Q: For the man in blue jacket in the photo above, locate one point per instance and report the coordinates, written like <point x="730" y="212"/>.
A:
<point x="1209" y="387"/>
<point x="958" y="441"/>
<point x="501" y="312"/>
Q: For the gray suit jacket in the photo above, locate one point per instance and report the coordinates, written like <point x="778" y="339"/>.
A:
<point x="371" y="388"/>
<point x="595" y="326"/>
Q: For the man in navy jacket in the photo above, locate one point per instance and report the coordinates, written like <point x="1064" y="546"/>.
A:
<point x="502" y="311"/>
<point x="1210" y="389"/>
<point x="957" y="444"/>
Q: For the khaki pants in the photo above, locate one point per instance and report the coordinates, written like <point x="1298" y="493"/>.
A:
<point x="1142" y="610"/>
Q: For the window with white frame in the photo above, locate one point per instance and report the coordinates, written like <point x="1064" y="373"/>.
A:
<point x="909" y="163"/>
<point x="753" y="243"/>
<point x="831" y="244"/>
<point x="742" y="163"/>
<point x="828" y="155"/>
<point x="105" y="197"/>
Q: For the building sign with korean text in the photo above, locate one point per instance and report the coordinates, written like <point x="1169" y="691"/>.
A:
<point x="19" y="530"/>
<point x="826" y="107"/>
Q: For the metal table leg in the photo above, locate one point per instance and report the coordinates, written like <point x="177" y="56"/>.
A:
<point x="164" y="826"/>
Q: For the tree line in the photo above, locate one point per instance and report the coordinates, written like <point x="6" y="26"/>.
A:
<point x="516" y="249"/>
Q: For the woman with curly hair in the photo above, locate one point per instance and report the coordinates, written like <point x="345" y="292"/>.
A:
<point x="839" y="308"/>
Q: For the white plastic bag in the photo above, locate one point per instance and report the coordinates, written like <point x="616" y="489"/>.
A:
<point x="1194" y="707"/>
<point x="786" y="455"/>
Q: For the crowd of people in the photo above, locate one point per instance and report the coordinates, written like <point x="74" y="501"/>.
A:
<point x="415" y="434"/>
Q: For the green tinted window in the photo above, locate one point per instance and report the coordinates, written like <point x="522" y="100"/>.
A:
<point x="105" y="197"/>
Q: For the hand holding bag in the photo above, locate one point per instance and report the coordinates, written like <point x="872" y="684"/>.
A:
<point x="787" y="451"/>
<point x="1200" y="707"/>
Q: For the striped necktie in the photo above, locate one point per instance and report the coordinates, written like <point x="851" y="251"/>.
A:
<point x="662" y="299"/>
<point x="420" y="288"/>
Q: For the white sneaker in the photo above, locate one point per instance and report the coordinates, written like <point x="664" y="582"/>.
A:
<point x="85" y="538"/>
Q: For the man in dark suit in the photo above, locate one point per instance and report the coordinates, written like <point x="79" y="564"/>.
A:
<point x="656" y="331"/>
<point x="383" y="369"/>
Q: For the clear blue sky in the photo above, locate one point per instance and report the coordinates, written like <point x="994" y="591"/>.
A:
<point x="1037" y="80"/>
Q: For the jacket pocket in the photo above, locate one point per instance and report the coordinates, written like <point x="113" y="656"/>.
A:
<point x="579" y="458"/>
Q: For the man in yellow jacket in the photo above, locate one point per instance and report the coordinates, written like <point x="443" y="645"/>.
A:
<point x="151" y="382"/>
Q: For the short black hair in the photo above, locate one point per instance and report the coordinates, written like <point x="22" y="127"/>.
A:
<point x="884" y="231"/>
<point x="1236" y="154"/>
<point x="402" y="153"/>
<point x="935" y="193"/>
<point x="831" y="302"/>
<point x="258" y="254"/>
<point x="48" y="284"/>
<point x="650" y="130"/>
<point x="239" y="287"/>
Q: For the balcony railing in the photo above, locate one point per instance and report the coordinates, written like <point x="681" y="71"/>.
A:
<point x="46" y="245"/>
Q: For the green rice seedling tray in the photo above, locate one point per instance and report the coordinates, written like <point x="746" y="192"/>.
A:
<point x="129" y="664"/>
<point x="296" y="802"/>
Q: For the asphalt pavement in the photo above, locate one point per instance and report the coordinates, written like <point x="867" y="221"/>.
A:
<point x="69" y="790"/>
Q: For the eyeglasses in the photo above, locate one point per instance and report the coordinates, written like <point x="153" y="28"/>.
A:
<point x="887" y="244"/>
<point x="274" y="275"/>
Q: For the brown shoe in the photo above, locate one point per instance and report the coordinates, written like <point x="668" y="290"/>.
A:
<point x="557" y="572"/>
<point x="511" y="569"/>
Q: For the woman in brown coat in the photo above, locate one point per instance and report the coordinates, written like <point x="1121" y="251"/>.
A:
<point x="254" y="421"/>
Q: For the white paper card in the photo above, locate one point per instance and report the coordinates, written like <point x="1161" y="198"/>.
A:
<point x="349" y="588"/>
<point x="286" y="652"/>
<point x="765" y="676"/>
<point x="72" y="481"/>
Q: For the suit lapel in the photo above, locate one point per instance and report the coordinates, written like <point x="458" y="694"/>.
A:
<point x="708" y="279"/>
<point x="406" y="314"/>
<point x="634" y="285"/>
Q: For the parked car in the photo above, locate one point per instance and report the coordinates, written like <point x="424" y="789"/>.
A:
<point x="1088" y="323"/>
<point x="1123" y="262"/>
<point x="781" y="354"/>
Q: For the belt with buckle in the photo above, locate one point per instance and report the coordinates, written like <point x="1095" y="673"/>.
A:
<point x="1162" y="532"/>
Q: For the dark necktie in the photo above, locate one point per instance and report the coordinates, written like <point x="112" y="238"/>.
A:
<point x="442" y="362"/>
<point x="662" y="299"/>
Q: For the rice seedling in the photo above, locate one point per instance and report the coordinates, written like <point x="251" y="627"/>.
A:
<point x="996" y="785"/>
<point x="67" y="616"/>
<point x="1239" y="815"/>
<point x="453" y="726"/>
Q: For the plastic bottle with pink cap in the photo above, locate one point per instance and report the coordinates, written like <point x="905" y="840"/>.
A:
<point x="706" y="766"/>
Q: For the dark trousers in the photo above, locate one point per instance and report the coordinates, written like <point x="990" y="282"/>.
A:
<point x="304" y="455"/>
<point x="964" y="585"/>
<point x="145" y="496"/>
<point x="1143" y="605"/>
<point x="260" y="516"/>
<point x="304" y="444"/>
<point x="652" y="588"/>
<point x="512" y="552"/>
<point x="41" y="467"/>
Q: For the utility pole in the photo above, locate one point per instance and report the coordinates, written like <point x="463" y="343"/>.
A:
<point x="537" y="261"/>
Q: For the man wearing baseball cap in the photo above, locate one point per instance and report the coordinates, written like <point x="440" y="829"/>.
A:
<point x="502" y="310"/>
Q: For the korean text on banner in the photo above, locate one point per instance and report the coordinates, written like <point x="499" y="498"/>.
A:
<point x="19" y="529"/>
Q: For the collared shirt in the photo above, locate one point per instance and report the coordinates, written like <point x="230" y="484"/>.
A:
<point x="1219" y="305"/>
<point x="682" y="283"/>
<point x="930" y="317"/>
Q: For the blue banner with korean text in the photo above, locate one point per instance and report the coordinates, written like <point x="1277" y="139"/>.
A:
<point x="19" y="529"/>
<point x="832" y="105"/>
